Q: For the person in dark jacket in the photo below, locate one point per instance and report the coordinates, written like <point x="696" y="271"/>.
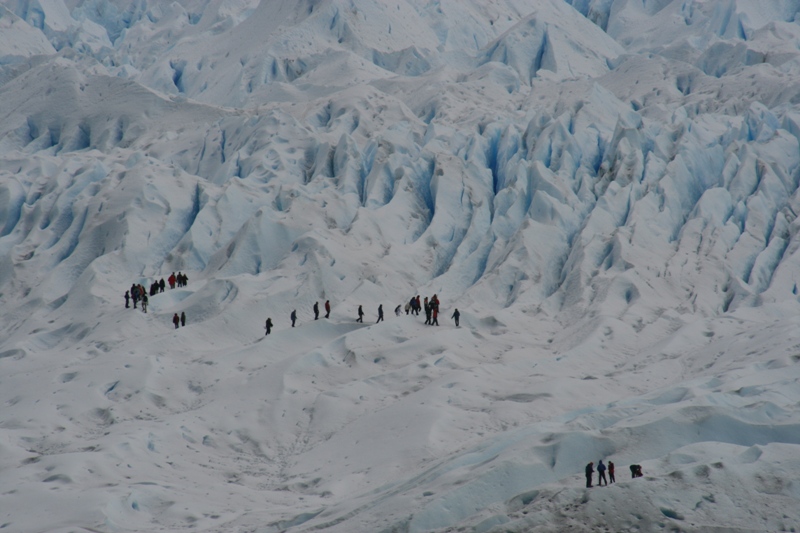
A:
<point x="360" y="314"/>
<point x="316" y="310"/>
<point x="183" y="319"/>
<point x="268" y="326"/>
<point x="398" y="310"/>
<point x="176" y="320"/>
<point x="144" y="302"/>
<point x="589" y="472"/>
<point x="611" y="472"/>
<point x="293" y="316"/>
<point x="127" y="299"/>
<point x="161" y="285"/>
<point x="380" y="313"/>
<point x="601" y="474"/>
<point x="456" y="316"/>
<point x="636" y="471"/>
<point x="327" y="308"/>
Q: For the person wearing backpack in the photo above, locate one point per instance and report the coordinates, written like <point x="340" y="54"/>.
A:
<point x="601" y="474"/>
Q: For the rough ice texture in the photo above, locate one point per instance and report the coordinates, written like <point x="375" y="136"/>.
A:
<point x="606" y="190"/>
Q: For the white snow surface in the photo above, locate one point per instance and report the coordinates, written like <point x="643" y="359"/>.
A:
<point x="607" y="190"/>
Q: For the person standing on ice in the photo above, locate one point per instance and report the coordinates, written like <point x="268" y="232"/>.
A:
<point x="293" y="316"/>
<point x="176" y="320"/>
<point x="144" y="302"/>
<point x="127" y="299"/>
<point x="360" y="314"/>
<point x="327" y="308"/>
<point x="601" y="474"/>
<point x="183" y="319"/>
<point x="316" y="310"/>
<point x="611" y="472"/>
<point x="171" y="280"/>
<point x="434" y="315"/>
<point x="161" y="285"/>
<point x="398" y="310"/>
<point x="456" y="316"/>
<point x="380" y="313"/>
<point x="589" y="472"/>
<point x="268" y="326"/>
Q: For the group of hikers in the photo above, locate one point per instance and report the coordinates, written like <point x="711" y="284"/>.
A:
<point x="431" y="308"/>
<point x="139" y="294"/>
<point x="636" y="471"/>
<point x="413" y="306"/>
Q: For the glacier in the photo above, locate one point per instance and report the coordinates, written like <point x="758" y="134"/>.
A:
<point x="607" y="190"/>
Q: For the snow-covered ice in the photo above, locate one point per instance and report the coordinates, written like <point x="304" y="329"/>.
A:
<point x="607" y="190"/>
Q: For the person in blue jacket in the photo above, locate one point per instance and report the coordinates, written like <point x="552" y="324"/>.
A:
<point x="601" y="474"/>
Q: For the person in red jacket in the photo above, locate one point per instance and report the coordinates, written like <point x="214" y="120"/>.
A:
<point x="171" y="280"/>
<point x="327" y="308"/>
<point x="176" y="320"/>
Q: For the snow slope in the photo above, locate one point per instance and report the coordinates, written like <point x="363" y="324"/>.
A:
<point x="606" y="190"/>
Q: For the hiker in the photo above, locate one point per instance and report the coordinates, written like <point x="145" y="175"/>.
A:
<point x="589" y="472"/>
<point x="161" y="285"/>
<point x="176" y="320"/>
<point x="417" y="306"/>
<point x="456" y="316"/>
<point x="611" y="472"/>
<point x="183" y="319"/>
<point x="127" y="299"/>
<point x="360" y="315"/>
<point x="327" y="308"/>
<point x="398" y="310"/>
<point x="171" y="280"/>
<point x="134" y="294"/>
<point x="408" y="306"/>
<point x="293" y="316"/>
<point x="268" y="326"/>
<point x="316" y="310"/>
<point x="427" y="312"/>
<point x="380" y="313"/>
<point x="435" y="315"/>
<point x="636" y="471"/>
<point x="601" y="473"/>
<point x="144" y="303"/>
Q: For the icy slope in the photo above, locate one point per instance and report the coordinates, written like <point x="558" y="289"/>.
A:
<point x="607" y="191"/>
